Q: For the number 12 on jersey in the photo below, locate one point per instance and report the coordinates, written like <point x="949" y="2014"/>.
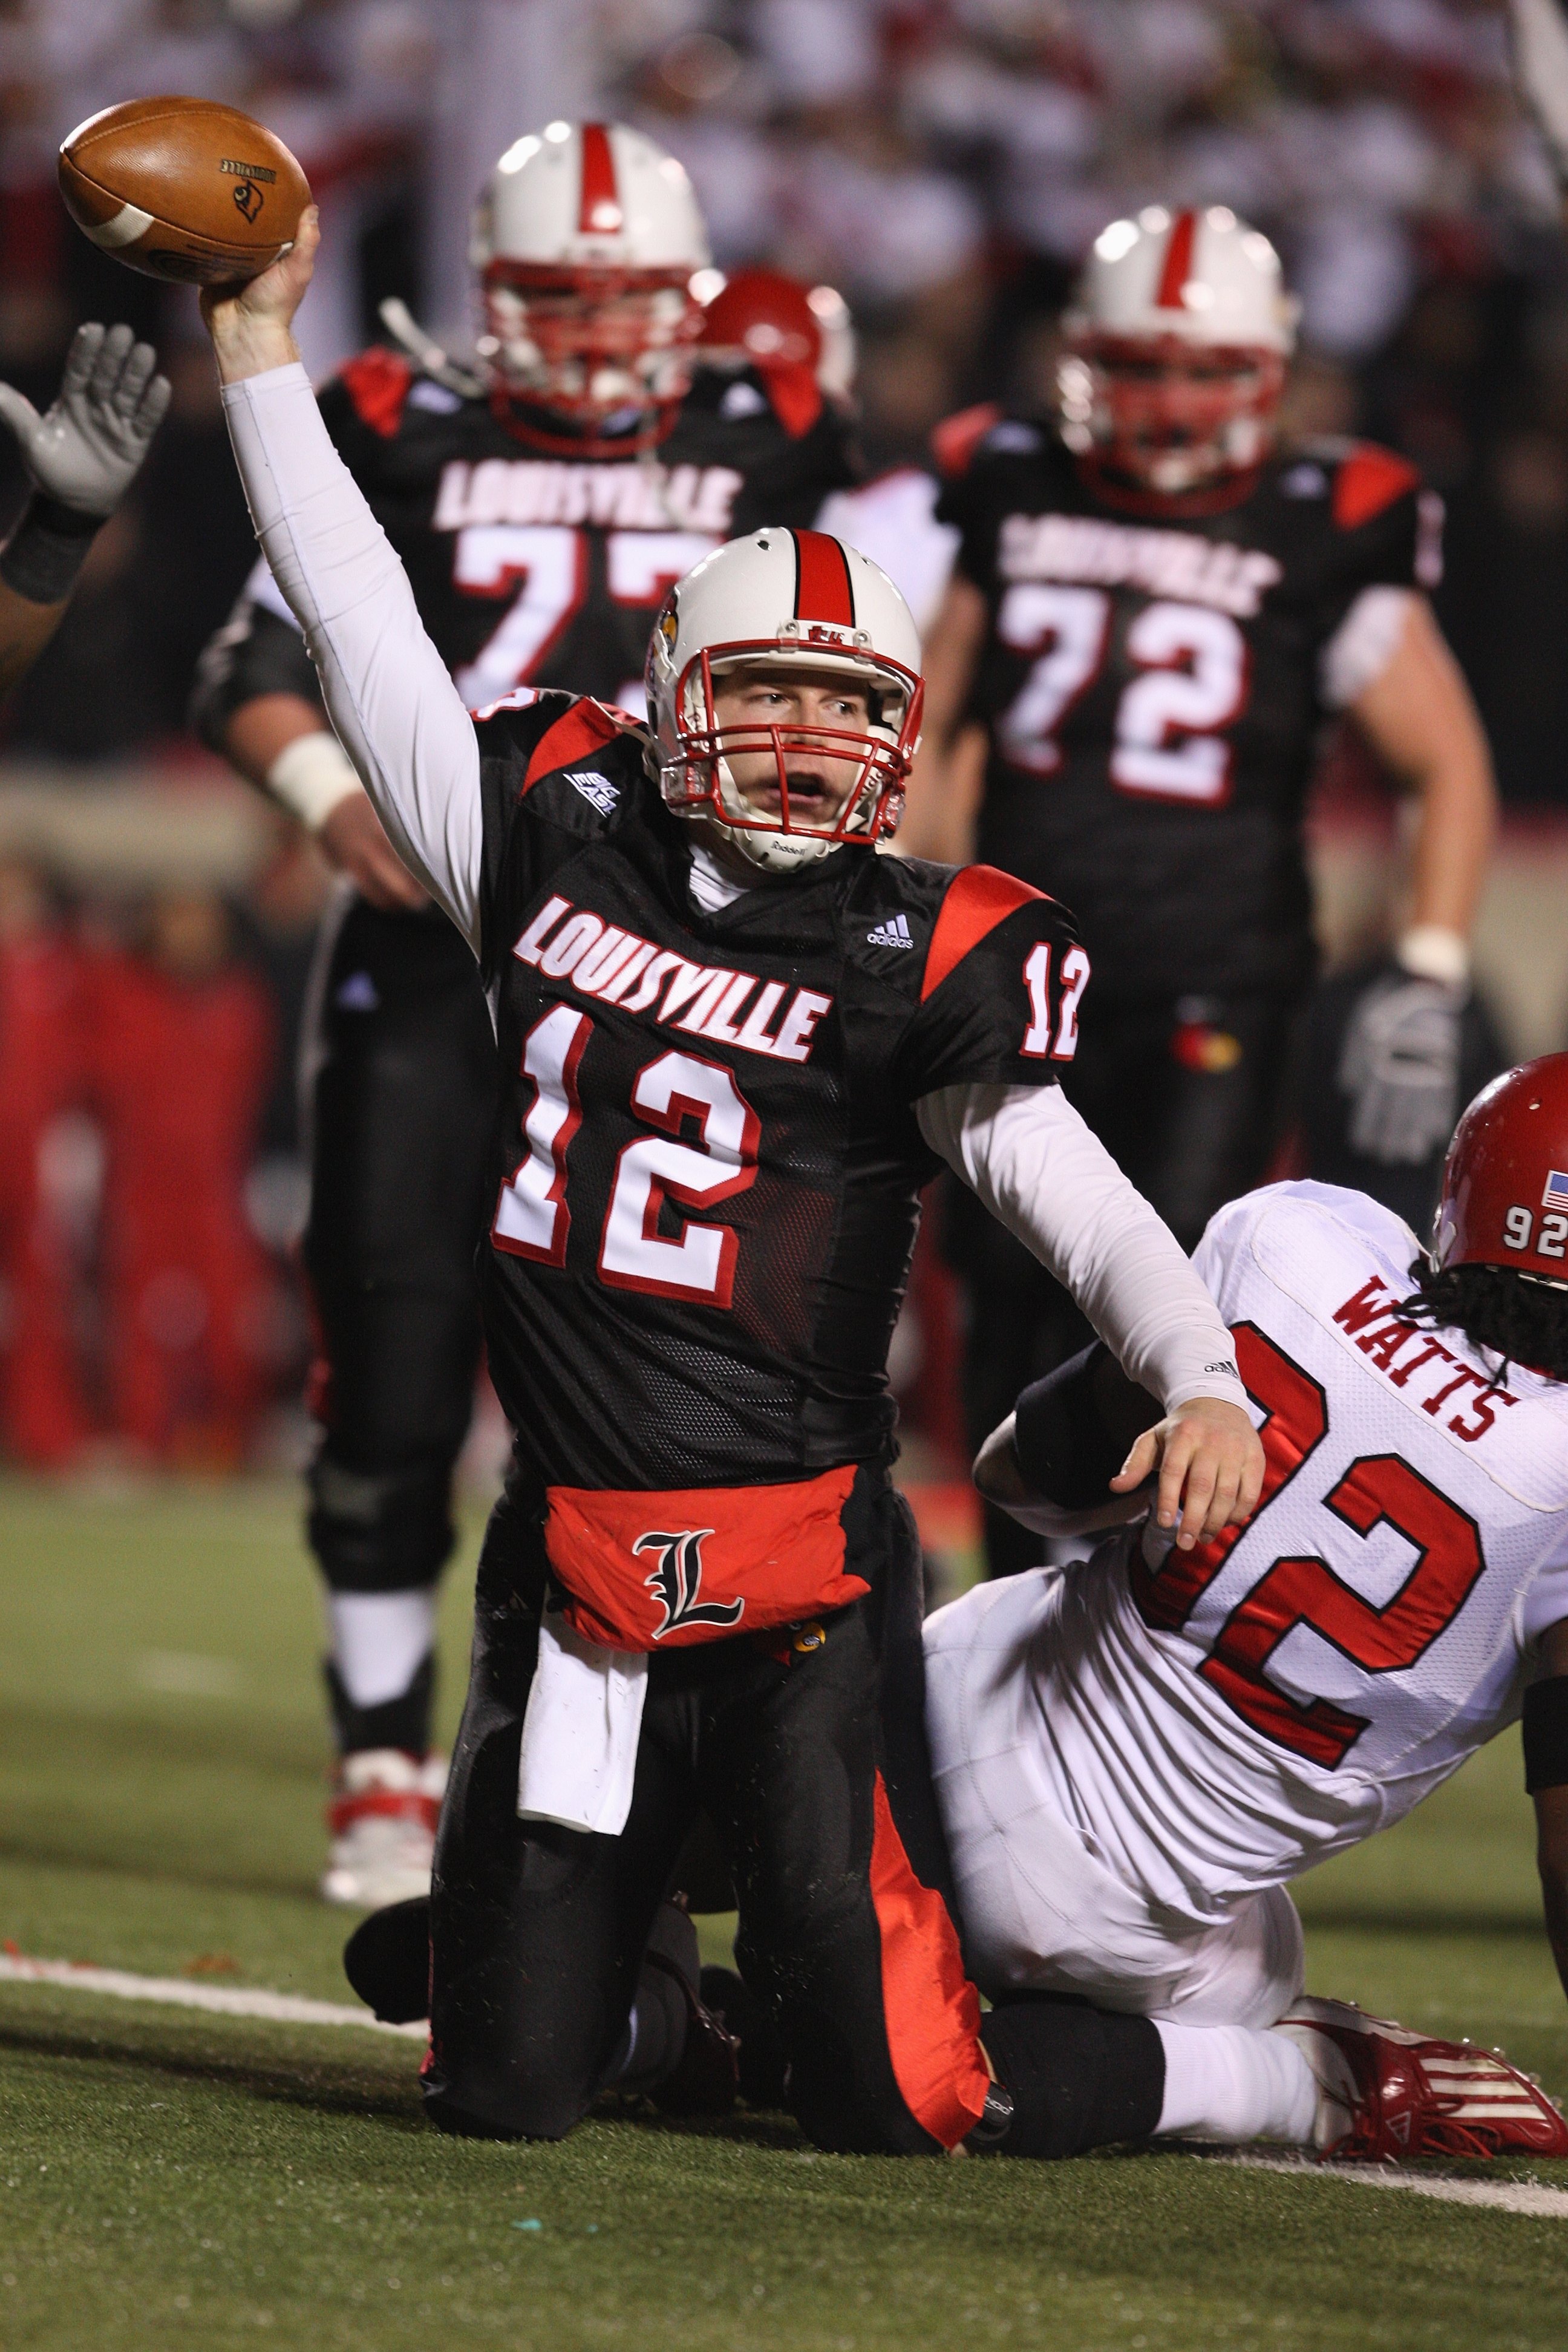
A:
<point x="533" y="1217"/>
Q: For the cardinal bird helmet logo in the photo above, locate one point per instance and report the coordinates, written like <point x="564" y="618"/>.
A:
<point x="675" y="1580"/>
<point x="248" y="197"/>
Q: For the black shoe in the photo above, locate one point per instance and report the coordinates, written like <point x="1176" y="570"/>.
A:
<point x="387" y="1961"/>
<point x="704" y="2078"/>
<point x="762" y="2064"/>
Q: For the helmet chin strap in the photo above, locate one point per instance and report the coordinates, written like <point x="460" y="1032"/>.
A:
<point x="771" y="847"/>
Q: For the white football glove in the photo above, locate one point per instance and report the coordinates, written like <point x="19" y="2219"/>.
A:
<point x="86" y="451"/>
<point x="1540" y="30"/>
<point x="1400" y="1066"/>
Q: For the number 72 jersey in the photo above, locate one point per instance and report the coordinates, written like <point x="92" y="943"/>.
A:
<point x="1153" y="689"/>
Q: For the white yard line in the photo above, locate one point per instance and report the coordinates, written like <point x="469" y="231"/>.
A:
<point x="1503" y="2196"/>
<point x="292" y="2009"/>
<point x="179" y="1992"/>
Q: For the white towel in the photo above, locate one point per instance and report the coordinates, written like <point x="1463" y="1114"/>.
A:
<point x="580" y="1732"/>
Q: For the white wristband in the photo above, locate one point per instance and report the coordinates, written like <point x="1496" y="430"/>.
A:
<point x="1432" y="951"/>
<point x="311" y="776"/>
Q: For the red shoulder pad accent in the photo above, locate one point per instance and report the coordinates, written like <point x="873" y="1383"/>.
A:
<point x="1370" y="479"/>
<point x="577" y="734"/>
<point x="796" y="395"/>
<point x="954" y="441"/>
<point x="377" y="382"/>
<point x="977" y="900"/>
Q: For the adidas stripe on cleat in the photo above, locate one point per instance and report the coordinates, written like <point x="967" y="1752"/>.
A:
<point x="894" y="933"/>
<point x="1386" y="2094"/>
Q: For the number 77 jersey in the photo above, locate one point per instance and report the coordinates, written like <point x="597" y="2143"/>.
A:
<point x="1153" y="688"/>
<point x="1316" y="1674"/>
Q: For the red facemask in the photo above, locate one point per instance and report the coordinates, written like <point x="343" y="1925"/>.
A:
<point x="588" y="361"/>
<point x="1158" y="420"/>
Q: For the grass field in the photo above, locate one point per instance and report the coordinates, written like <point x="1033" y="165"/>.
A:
<point x="196" y="2181"/>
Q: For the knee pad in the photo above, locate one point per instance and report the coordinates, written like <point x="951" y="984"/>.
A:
<point x="379" y="1530"/>
<point x="1079" y="2077"/>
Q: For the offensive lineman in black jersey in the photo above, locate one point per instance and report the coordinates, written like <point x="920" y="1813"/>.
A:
<point x="1152" y="613"/>
<point x="734" y="1042"/>
<point x="541" y="518"/>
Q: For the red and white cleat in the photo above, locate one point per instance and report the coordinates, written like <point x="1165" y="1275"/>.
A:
<point x="383" y="1819"/>
<point x="1385" y="2095"/>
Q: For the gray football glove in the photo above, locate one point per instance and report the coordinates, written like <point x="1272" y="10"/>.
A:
<point x="85" y="452"/>
<point x="1400" y="1066"/>
<point x="1541" y="68"/>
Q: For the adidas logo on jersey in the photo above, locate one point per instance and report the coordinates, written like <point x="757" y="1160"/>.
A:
<point x="597" y="791"/>
<point x="894" y="933"/>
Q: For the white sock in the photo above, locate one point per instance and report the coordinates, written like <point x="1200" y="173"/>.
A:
<point x="1227" y="2083"/>
<point x="380" y="1640"/>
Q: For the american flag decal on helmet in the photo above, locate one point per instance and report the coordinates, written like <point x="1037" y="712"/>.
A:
<point x="1556" y="1194"/>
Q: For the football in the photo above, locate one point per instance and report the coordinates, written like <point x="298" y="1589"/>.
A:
<point x="181" y="188"/>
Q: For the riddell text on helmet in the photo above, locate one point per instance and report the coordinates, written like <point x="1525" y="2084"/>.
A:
<point x="711" y="1001"/>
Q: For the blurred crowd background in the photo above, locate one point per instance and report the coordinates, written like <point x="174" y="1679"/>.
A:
<point x="945" y="163"/>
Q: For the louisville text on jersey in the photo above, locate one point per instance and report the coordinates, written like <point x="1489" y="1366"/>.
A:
<point x="1176" y="563"/>
<point x="611" y="496"/>
<point x="713" y="1000"/>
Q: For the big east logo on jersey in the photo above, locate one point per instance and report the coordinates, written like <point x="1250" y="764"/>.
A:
<point x="713" y="1001"/>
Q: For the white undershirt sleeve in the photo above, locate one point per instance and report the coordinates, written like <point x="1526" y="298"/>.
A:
<point x="1363" y="644"/>
<point x="1028" y="1155"/>
<point x="395" y="710"/>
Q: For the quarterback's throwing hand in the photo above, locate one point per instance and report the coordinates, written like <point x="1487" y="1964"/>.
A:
<point x="1210" y="1465"/>
<point x="86" y="449"/>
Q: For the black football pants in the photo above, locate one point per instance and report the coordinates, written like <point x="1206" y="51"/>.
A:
<point x="807" y="1749"/>
<point x="1189" y="1108"/>
<point x="400" y="1075"/>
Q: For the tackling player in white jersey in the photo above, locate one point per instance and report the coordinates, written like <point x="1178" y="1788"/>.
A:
<point x="1134" y="1757"/>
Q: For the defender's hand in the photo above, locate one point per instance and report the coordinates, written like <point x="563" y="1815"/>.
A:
<point x="85" y="452"/>
<point x="352" y="843"/>
<point x="1210" y="1465"/>
<point x="249" y="323"/>
<point x="1400" y="1066"/>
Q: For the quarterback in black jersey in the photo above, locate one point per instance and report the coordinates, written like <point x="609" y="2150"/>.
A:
<point x="1152" y="613"/>
<point x="541" y="517"/>
<point x="734" y="1043"/>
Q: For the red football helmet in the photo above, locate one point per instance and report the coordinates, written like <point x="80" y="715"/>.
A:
<point x="1505" y="1181"/>
<point x="801" y="343"/>
<point x="1176" y="345"/>
<point x="587" y="241"/>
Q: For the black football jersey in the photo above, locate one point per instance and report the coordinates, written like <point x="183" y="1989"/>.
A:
<point x="1151" y="693"/>
<point x="709" y="1163"/>
<point x="549" y="570"/>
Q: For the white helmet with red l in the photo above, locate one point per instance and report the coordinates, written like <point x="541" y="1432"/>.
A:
<point x="785" y="597"/>
<point x="1176" y="345"/>
<point x="585" y="240"/>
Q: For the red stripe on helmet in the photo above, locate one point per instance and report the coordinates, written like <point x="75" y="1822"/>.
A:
<point x="600" y="211"/>
<point x="1178" y="265"/>
<point x="823" y="590"/>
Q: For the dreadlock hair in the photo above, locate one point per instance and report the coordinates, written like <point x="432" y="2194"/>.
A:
<point x="1499" y="1309"/>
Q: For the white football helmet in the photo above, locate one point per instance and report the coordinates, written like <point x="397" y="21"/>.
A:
<point x="1177" y="340"/>
<point x="585" y="241"/>
<point x="784" y="596"/>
